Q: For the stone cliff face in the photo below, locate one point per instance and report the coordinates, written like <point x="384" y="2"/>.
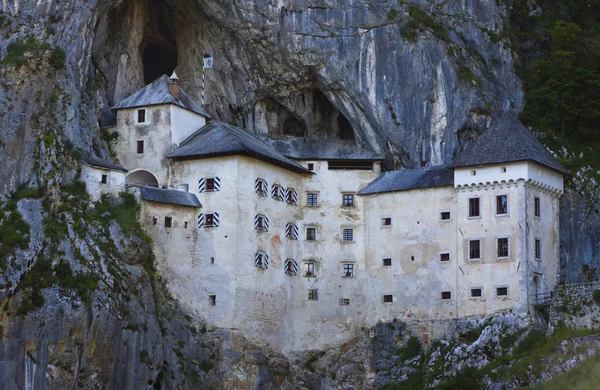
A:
<point x="413" y="79"/>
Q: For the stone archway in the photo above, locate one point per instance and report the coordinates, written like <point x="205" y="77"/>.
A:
<point x="141" y="178"/>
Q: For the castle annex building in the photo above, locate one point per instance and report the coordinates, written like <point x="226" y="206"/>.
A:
<point x="302" y="242"/>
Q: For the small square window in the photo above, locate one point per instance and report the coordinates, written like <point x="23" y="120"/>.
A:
<point x="104" y="179"/>
<point x="309" y="269"/>
<point x="140" y="147"/>
<point x="474" y="249"/>
<point x="446" y="295"/>
<point x="473" y="172"/>
<point x="291" y="267"/>
<point x="168" y="222"/>
<point x="348" y="235"/>
<point x="388" y="298"/>
<point x="311" y="233"/>
<point x="154" y="220"/>
<point x="503" y="169"/>
<point x="536" y="207"/>
<point x="210" y="184"/>
<point x="445" y="216"/>
<point x="311" y="167"/>
<point x="476" y="292"/>
<point x="386" y="221"/>
<point x="313" y="295"/>
<point x="261" y="187"/>
<point x="387" y="262"/>
<point x="501" y="204"/>
<point x="444" y="257"/>
<point x="503" y="248"/>
<point x="538" y="249"/>
<point x="501" y="291"/>
<point x="210" y="220"/>
<point x="212" y="300"/>
<point x="261" y="223"/>
<point x="474" y="209"/>
<point x="348" y="270"/>
<point x="312" y="199"/>
<point x="412" y="258"/>
<point x="141" y="116"/>
<point x="348" y="200"/>
<point x="344" y="301"/>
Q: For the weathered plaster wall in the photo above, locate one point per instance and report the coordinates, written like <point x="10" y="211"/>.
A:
<point x="184" y="123"/>
<point x="92" y="177"/>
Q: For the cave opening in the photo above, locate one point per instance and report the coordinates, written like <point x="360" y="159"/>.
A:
<point x="293" y="126"/>
<point x="158" y="47"/>
<point x="345" y="130"/>
<point x="328" y="121"/>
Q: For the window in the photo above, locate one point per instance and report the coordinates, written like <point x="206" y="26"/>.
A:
<point x="291" y="267"/>
<point x="291" y="196"/>
<point x="291" y="231"/>
<point x="212" y="300"/>
<point x="277" y="192"/>
<point x="501" y="291"/>
<point x="154" y="220"/>
<point x="536" y="206"/>
<point x="388" y="298"/>
<point x="501" y="205"/>
<point x="208" y="220"/>
<point x="445" y="257"/>
<point x="168" y="222"/>
<point x="473" y="172"/>
<point x="348" y="270"/>
<point x="387" y="262"/>
<point x="141" y="116"/>
<point x="502" y="249"/>
<point x="503" y="169"/>
<point x="348" y="235"/>
<point x="212" y="260"/>
<point x="312" y="199"/>
<point x="386" y="221"/>
<point x="104" y="179"/>
<point x="261" y="260"/>
<point x="261" y="187"/>
<point x="446" y="295"/>
<point x="261" y="223"/>
<point x="348" y="200"/>
<point x="344" y="301"/>
<point x="185" y="224"/>
<point x="210" y="185"/>
<point x="474" y="209"/>
<point x="311" y="233"/>
<point x="140" y="147"/>
<point x="313" y="295"/>
<point x="311" y="166"/>
<point x="474" y="249"/>
<point x="538" y="249"/>
<point x="445" y="216"/>
<point x="476" y="292"/>
<point x="309" y="269"/>
<point x="351" y="165"/>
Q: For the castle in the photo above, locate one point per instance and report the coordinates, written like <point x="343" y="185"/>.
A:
<point x="301" y="243"/>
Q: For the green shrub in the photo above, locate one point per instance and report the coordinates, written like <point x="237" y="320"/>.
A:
<point x="57" y="58"/>
<point x="596" y="296"/>
<point x="205" y="365"/>
<point x="77" y="188"/>
<point x="15" y="53"/>
<point x="420" y="21"/>
<point x="392" y="14"/>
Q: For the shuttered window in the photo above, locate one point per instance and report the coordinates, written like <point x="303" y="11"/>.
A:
<point x="291" y="196"/>
<point x="209" y="184"/>
<point x="261" y="260"/>
<point x="291" y="231"/>
<point x="208" y="220"/>
<point x="261" y="222"/>
<point x="291" y="267"/>
<point x="261" y="187"/>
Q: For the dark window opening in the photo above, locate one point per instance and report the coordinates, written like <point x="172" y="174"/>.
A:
<point x="350" y="165"/>
<point x="476" y="293"/>
<point x="168" y="222"/>
<point x="210" y="184"/>
<point x="386" y="221"/>
<point x="445" y="215"/>
<point x="387" y="262"/>
<point x="474" y="249"/>
<point x="344" y="301"/>
<point x="309" y="269"/>
<point x="141" y="116"/>
<point x="313" y="295"/>
<point x="538" y="249"/>
<point x="210" y="220"/>
<point x="388" y="298"/>
<point x="104" y="179"/>
<point x="503" y="247"/>
<point x="154" y="220"/>
<point x="311" y="166"/>
<point x="474" y="209"/>
<point x="502" y="204"/>
<point x="140" y="147"/>
<point x="212" y="260"/>
<point x="446" y="295"/>
<point x="185" y="224"/>
<point x="444" y="257"/>
<point x="502" y="291"/>
<point x="212" y="300"/>
<point x="311" y="234"/>
<point x="537" y="209"/>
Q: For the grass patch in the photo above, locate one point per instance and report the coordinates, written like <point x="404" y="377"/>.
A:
<point x="421" y="21"/>
<point x="17" y="50"/>
<point x="14" y="234"/>
<point x="584" y="376"/>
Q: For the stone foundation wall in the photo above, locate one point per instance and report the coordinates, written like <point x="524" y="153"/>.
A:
<point x="576" y="306"/>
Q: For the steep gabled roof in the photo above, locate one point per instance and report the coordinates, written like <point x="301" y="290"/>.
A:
<point x="320" y="149"/>
<point x="97" y="162"/>
<point x="160" y="195"/>
<point x="409" y="179"/>
<point x="219" y="139"/>
<point x="156" y="93"/>
<point x="508" y="141"/>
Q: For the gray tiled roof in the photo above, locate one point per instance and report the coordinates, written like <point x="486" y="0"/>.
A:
<point x="157" y="92"/>
<point x="508" y="141"/>
<point x="320" y="149"/>
<point x="218" y="138"/>
<point x="98" y="162"/>
<point x="409" y="179"/>
<point x="160" y="195"/>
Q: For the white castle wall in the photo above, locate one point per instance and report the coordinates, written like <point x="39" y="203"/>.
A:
<point x="92" y="177"/>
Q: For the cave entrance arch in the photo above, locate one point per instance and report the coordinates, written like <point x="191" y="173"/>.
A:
<point x="141" y="178"/>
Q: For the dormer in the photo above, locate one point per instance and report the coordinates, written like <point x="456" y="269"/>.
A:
<point x="508" y="153"/>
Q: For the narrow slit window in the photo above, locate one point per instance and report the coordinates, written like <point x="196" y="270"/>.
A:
<point x="538" y="249"/>
<point x="537" y="208"/>
<point x="168" y="222"/>
<point x="141" y="116"/>
<point x="140" y="147"/>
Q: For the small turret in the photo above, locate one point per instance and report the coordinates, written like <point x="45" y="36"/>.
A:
<point x="174" y="85"/>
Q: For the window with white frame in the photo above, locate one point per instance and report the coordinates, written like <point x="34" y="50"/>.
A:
<point x="140" y="147"/>
<point x="502" y="247"/>
<point x="475" y="249"/>
<point x="348" y="270"/>
<point x="313" y="295"/>
<point x="445" y="257"/>
<point x="388" y="298"/>
<point x="261" y="187"/>
<point x="209" y="184"/>
<point x="476" y="292"/>
<point x="348" y="235"/>
<point x="502" y="291"/>
<point x="311" y="233"/>
<point x="446" y="295"/>
<point x="538" y="249"/>
<point x="261" y="260"/>
<point x="537" y="207"/>
<point x="291" y="231"/>
<point x="261" y="223"/>
<point x="387" y="261"/>
<point x="474" y="207"/>
<point x="311" y="167"/>
<point x="309" y="269"/>
<point x="312" y="199"/>
<point x="291" y="267"/>
<point x="208" y="220"/>
<point x="141" y="116"/>
<point x="276" y="192"/>
<point x="445" y="216"/>
<point x="386" y="222"/>
<point x="347" y="200"/>
<point x="502" y="205"/>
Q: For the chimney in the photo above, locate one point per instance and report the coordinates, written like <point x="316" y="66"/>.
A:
<point x="174" y="85"/>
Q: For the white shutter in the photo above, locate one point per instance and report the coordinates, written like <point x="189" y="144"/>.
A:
<point x="200" y="220"/>
<point x="215" y="219"/>
<point x="217" y="184"/>
<point x="201" y="185"/>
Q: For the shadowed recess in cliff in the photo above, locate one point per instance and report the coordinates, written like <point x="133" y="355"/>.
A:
<point x="158" y="47"/>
